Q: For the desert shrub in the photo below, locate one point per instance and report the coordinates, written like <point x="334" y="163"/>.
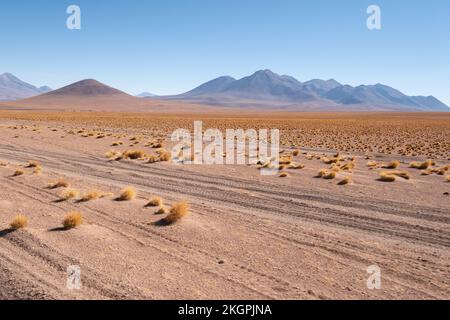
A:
<point x="33" y="164"/>
<point x="127" y="194"/>
<point x="134" y="154"/>
<point x="18" y="172"/>
<point x="165" y="155"/>
<point x="161" y="210"/>
<point x="177" y="212"/>
<point x="155" y="202"/>
<point x="421" y="165"/>
<point x="346" y="180"/>
<point x="58" y="184"/>
<point x="391" y="165"/>
<point x="386" y="177"/>
<point x="72" y="220"/>
<point x="19" y="222"/>
<point x="69" y="194"/>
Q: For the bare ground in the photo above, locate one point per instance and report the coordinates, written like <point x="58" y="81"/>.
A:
<point x="247" y="237"/>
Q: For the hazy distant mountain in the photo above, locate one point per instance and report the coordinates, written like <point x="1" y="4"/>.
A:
<point x="146" y="95"/>
<point x="267" y="89"/>
<point x="12" y="88"/>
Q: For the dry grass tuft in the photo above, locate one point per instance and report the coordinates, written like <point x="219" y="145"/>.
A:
<point x="58" y="184"/>
<point x="152" y="159"/>
<point x="93" y="195"/>
<point x="283" y="175"/>
<point x="372" y="164"/>
<point x="177" y="212"/>
<point x="155" y="202"/>
<point x="391" y="165"/>
<point x="346" y="180"/>
<point x="296" y="153"/>
<point x="19" y="222"/>
<point x="321" y="173"/>
<point x="69" y="194"/>
<point x="33" y="164"/>
<point x="402" y="174"/>
<point x="18" y="172"/>
<point x="330" y="175"/>
<point x="72" y="220"/>
<point x="164" y="155"/>
<point x="134" y="154"/>
<point x="386" y="177"/>
<point x="421" y="165"/>
<point x="127" y="194"/>
<point x="447" y="179"/>
<point x="162" y="210"/>
<point x="294" y="166"/>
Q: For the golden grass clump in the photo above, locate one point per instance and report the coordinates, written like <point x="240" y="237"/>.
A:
<point x="346" y="180"/>
<point x="72" y="220"/>
<point x="402" y="174"/>
<point x="152" y="159"/>
<point x="391" y="165"/>
<point x="348" y="166"/>
<point x="93" y="195"/>
<point x="162" y="210"/>
<point x="116" y="144"/>
<point x="177" y="212"/>
<point x="372" y="164"/>
<point x="127" y="194"/>
<point x="283" y="175"/>
<point x="386" y="177"/>
<point x="164" y="155"/>
<point x="421" y="165"/>
<point x="321" y="173"/>
<point x="447" y="179"/>
<point x="18" y="172"/>
<point x="33" y="164"/>
<point x="19" y="222"/>
<point x="69" y="194"/>
<point x="58" y="184"/>
<point x="296" y="153"/>
<point x="134" y="154"/>
<point x="155" y="202"/>
<point x="330" y="175"/>
<point x="294" y="166"/>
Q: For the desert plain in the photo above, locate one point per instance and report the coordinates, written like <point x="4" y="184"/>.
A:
<point x="355" y="190"/>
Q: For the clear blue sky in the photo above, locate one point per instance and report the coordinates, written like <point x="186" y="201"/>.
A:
<point x="170" y="46"/>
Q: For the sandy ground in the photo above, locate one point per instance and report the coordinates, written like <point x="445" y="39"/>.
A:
<point x="247" y="237"/>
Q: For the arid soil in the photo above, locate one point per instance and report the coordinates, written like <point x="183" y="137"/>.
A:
<point x="247" y="236"/>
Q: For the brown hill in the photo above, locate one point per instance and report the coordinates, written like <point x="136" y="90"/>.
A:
<point x="92" y="95"/>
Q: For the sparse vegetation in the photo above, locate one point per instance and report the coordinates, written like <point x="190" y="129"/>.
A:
<point x="93" y="195"/>
<point x="177" y="212"/>
<point x="18" y="172"/>
<point x="19" y="222"/>
<point x="155" y="202"/>
<point x="421" y="165"/>
<point x="72" y="220"/>
<point x="346" y="180"/>
<point x="386" y="177"/>
<point x="69" y="194"/>
<point x="58" y="184"/>
<point x="127" y="194"/>
<point x="33" y="164"/>
<point x="391" y="165"/>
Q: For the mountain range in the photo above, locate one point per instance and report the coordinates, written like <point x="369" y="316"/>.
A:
<point x="263" y="90"/>
<point x="12" y="88"/>
<point x="266" y="89"/>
